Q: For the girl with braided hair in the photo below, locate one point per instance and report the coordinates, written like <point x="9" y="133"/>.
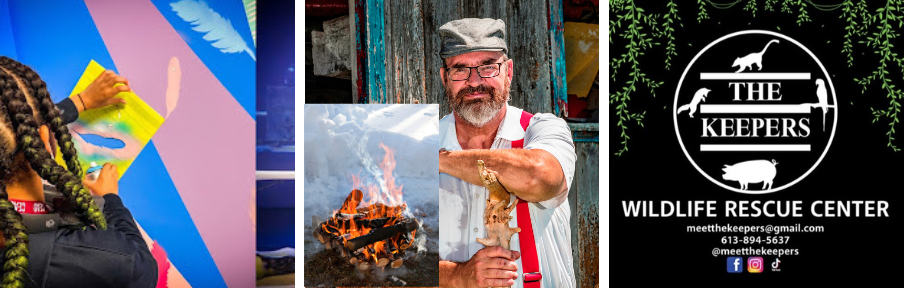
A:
<point x="102" y="249"/>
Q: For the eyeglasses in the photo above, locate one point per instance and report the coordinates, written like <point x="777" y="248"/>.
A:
<point x="484" y="71"/>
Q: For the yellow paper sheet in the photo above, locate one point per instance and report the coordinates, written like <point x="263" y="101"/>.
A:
<point x="131" y="126"/>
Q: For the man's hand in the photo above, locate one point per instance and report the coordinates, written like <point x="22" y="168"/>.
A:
<point x="100" y="92"/>
<point x="490" y="267"/>
<point x="106" y="183"/>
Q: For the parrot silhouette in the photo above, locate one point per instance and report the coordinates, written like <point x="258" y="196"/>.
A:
<point x="823" y="97"/>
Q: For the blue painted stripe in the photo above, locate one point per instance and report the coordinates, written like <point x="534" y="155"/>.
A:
<point x="149" y="193"/>
<point x="236" y="71"/>
<point x="557" y="64"/>
<point x="7" y="41"/>
<point x="58" y="39"/>
<point x="376" y="68"/>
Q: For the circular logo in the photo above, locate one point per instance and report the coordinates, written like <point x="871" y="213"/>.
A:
<point x="755" y="111"/>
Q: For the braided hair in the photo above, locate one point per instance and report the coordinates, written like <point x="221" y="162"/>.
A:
<point x="25" y="105"/>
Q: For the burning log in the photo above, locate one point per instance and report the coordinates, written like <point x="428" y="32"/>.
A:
<point x="405" y="241"/>
<point x="380" y="234"/>
<point x="368" y="237"/>
<point x="360" y="221"/>
<point x="397" y="263"/>
<point x="353" y="199"/>
<point x="364" y="265"/>
<point x="497" y="214"/>
<point x="382" y="262"/>
<point x="381" y="207"/>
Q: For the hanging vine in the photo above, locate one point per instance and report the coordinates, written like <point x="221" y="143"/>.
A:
<point x="880" y="28"/>
<point x="751" y="6"/>
<point x="701" y="13"/>
<point x="667" y="30"/>
<point x="636" y="20"/>
<point x="786" y="6"/>
<point x="881" y="41"/>
<point x="802" y="16"/>
<point x="769" y="4"/>
<point x="852" y="14"/>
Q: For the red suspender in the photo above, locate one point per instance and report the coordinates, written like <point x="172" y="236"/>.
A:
<point x="529" y="259"/>
<point x="525" y="120"/>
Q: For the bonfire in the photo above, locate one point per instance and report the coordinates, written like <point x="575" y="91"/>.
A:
<point x="374" y="233"/>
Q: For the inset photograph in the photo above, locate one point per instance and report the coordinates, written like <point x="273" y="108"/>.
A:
<point x="148" y="109"/>
<point x="275" y="144"/>
<point x="370" y="195"/>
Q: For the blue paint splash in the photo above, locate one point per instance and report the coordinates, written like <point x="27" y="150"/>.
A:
<point x="100" y="141"/>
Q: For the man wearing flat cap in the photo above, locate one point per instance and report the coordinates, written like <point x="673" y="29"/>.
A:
<point x="533" y="156"/>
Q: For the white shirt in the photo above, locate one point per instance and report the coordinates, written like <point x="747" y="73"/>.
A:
<point x="462" y="204"/>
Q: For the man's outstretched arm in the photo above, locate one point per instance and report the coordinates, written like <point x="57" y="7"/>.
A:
<point x="533" y="175"/>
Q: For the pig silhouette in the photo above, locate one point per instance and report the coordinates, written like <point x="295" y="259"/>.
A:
<point x="753" y="171"/>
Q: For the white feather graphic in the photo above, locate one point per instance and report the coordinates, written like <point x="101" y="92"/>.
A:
<point x="220" y="31"/>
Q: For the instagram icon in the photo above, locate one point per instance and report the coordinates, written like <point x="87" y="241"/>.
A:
<point x="755" y="264"/>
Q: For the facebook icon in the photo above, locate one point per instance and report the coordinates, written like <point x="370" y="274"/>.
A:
<point x="735" y="265"/>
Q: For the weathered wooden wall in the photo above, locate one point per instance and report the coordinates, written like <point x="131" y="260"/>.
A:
<point x="412" y="49"/>
<point x="583" y="198"/>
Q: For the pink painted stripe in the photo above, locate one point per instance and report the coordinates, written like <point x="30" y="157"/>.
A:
<point x="207" y="143"/>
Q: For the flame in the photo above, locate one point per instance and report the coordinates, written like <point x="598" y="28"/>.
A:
<point x="378" y="203"/>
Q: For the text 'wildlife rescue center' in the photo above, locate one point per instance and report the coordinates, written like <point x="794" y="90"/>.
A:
<point x="758" y="93"/>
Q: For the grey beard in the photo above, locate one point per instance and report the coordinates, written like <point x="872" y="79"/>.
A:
<point x="478" y="114"/>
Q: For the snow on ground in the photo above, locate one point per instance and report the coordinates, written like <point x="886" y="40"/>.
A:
<point x="343" y="140"/>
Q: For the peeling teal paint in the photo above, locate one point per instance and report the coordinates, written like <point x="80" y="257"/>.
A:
<point x="557" y="63"/>
<point x="376" y="67"/>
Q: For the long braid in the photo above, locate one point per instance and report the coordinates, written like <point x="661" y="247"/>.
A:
<point x="26" y="129"/>
<point x="15" y="260"/>
<point x="49" y="114"/>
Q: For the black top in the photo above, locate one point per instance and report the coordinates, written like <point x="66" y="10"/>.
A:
<point x="116" y="257"/>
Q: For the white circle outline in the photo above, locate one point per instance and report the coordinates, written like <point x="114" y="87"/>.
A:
<point x="834" y="102"/>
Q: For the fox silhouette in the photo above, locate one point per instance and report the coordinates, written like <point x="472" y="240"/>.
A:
<point x="699" y="96"/>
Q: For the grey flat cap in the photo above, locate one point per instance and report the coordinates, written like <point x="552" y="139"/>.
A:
<point x="470" y="35"/>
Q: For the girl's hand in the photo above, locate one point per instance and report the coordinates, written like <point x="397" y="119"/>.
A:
<point x="100" y="93"/>
<point x="106" y="182"/>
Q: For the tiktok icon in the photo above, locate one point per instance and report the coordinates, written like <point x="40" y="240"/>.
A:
<point x="775" y="265"/>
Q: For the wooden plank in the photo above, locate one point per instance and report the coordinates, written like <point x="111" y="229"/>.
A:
<point x="495" y="9"/>
<point x="390" y="45"/>
<point x="376" y="52"/>
<point x="527" y="26"/>
<point x="557" y="67"/>
<point x="359" y="70"/>
<point x="583" y="198"/>
<point x="405" y="78"/>
<point x="435" y="14"/>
